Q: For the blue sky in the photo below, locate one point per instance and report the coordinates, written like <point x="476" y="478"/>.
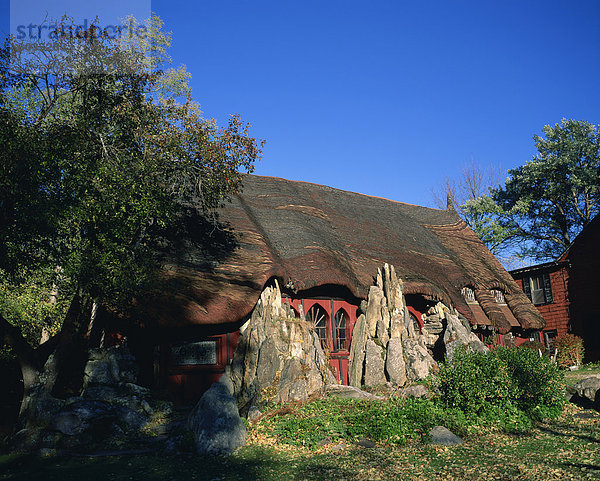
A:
<point x="388" y="97"/>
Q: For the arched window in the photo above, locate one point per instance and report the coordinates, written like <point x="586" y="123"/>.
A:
<point x="317" y="316"/>
<point x="339" y="341"/>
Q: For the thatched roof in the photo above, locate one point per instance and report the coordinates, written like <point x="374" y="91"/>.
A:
<point x="310" y="235"/>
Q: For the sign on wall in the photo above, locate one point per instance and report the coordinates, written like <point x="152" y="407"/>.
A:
<point x="194" y="353"/>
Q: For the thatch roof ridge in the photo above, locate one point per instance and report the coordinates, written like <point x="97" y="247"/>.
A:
<point x="314" y="184"/>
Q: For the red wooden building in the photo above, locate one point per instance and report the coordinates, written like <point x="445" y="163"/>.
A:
<point x="324" y="247"/>
<point x="566" y="291"/>
<point x="546" y="285"/>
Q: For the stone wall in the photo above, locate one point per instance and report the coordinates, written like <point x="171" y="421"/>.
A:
<point x="111" y="408"/>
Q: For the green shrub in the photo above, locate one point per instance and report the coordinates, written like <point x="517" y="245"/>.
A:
<point x="534" y="346"/>
<point x="475" y="381"/>
<point x="508" y="386"/>
<point x="538" y="384"/>
<point x="569" y="350"/>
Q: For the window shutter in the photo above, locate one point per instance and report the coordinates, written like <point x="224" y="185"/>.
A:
<point x="547" y="288"/>
<point x="527" y="287"/>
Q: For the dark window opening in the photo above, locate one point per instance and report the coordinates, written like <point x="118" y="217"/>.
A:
<point x="538" y="289"/>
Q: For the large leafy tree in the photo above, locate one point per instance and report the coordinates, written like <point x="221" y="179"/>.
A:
<point x="546" y="202"/>
<point x="102" y="152"/>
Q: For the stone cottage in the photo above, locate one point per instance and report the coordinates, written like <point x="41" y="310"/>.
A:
<point x="373" y="279"/>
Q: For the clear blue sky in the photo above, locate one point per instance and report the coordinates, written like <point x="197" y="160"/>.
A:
<point x="388" y="97"/>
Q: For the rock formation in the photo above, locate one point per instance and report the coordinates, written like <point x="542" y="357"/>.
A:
<point x="278" y="358"/>
<point x="586" y="391"/>
<point x="387" y="346"/>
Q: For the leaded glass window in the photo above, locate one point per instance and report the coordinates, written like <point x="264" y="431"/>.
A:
<point x="317" y="316"/>
<point x="340" y="343"/>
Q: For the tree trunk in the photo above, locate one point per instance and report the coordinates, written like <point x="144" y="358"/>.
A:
<point x="30" y="361"/>
<point x="31" y="379"/>
<point x="72" y="351"/>
<point x="65" y="376"/>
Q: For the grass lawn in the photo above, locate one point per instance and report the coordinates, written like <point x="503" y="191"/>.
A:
<point x="565" y="449"/>
<point x="584" y="371"/>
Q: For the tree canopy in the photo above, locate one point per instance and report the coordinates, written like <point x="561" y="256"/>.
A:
<point x="547" y="201"/>
<point x="102" y="150"/>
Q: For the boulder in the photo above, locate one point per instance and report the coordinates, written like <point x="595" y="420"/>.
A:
<point x="69" y="423"/>
<point x="109" y="366"/>
<point x="100" y="372"/>
<point x="268" y="365"/>
<point x="375" y="305"/>
<point x="416" y="390"/>
<point x="366" y="443"/>
<point x="215" y="421"/>
<point x="457" y="334"/>
<point x="588" y="389"/>
<point x="409" y="325"/>
<point x="392" y="287"/>
<point x="290" y="385"/>
<point x="383" y="325"/>
<point x="443" y="436"/>
<point x="418" y="360"/>
<point x="278" y="358"/>
<point x="297" y="392"/>
<point x="130" y="420"/>
<point x="395" y="367"/>
<point x="374" y="364"/>
<point x="110" y="407"/>
<point x="41" y="406"/>
<point x="397" y="328"/>
<point x="253" y="414"/>
<point x="98" y="419"/>
<point x="314" y="378"/>
<point x="126" y="363"/>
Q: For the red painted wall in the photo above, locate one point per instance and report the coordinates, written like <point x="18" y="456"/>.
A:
<point x="186" y="384"/>
<point x="556" y="314"/>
